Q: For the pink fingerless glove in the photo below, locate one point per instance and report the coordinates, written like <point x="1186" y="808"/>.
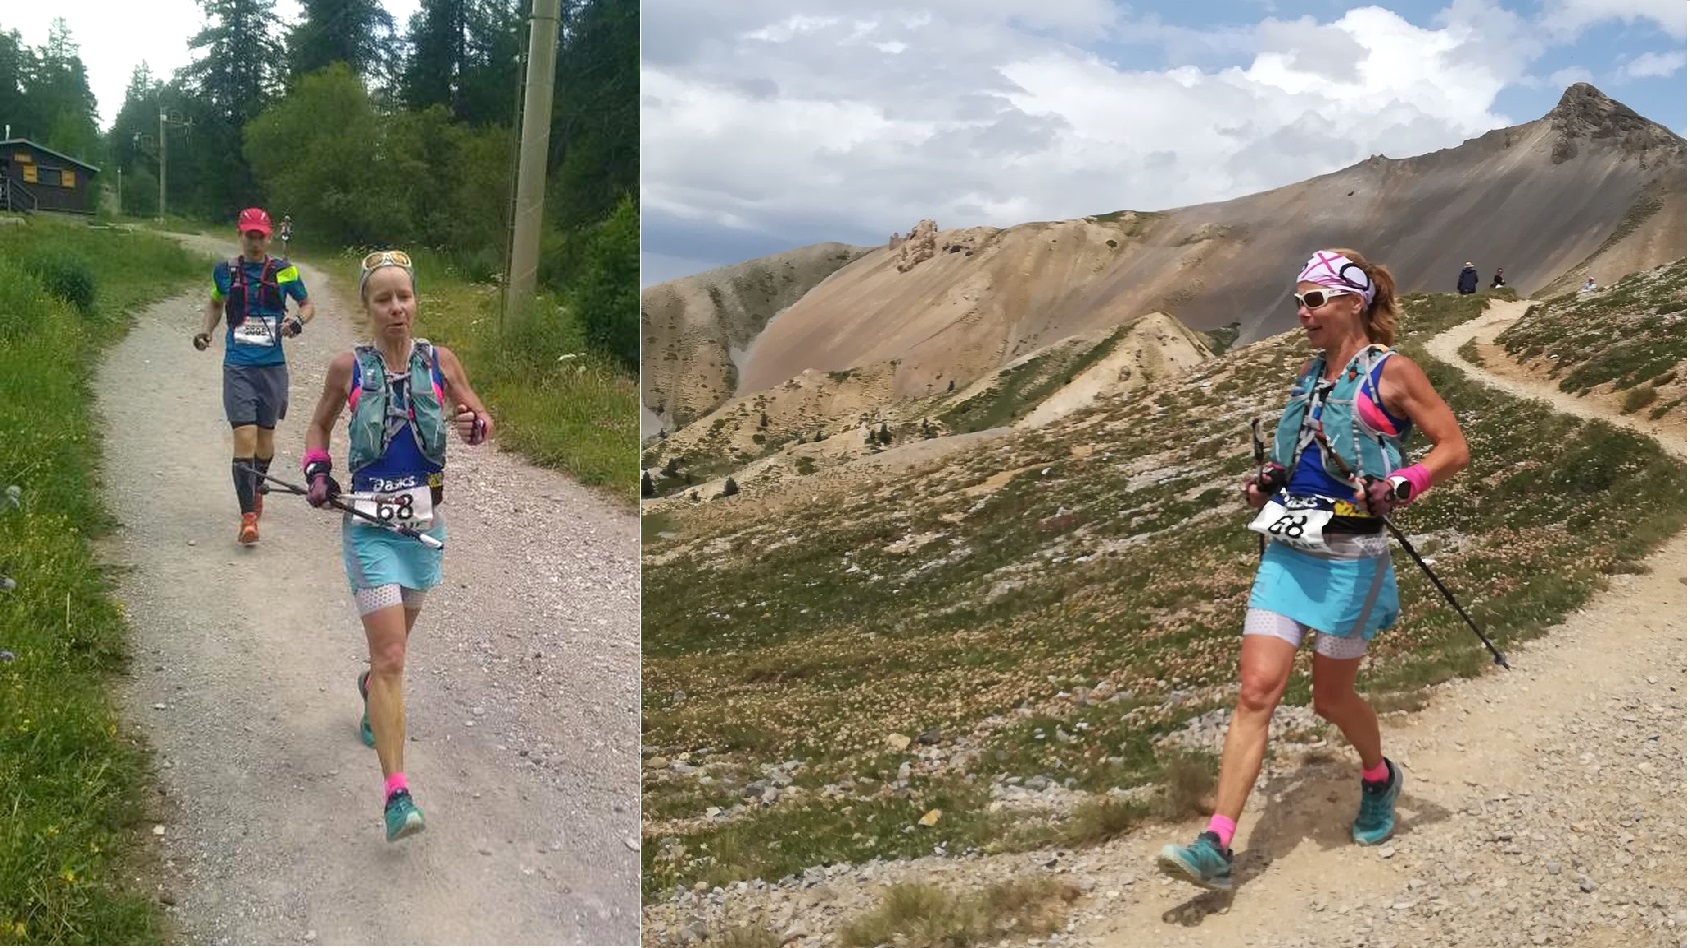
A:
<point x="1419" y="480"/>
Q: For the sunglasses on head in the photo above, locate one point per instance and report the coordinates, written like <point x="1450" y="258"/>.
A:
<point x="1315" y="299"/>
<point x="397" y="258"/>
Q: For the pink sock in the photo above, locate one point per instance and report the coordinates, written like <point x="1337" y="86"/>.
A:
<point x="1379" y="772"/>
<point x="395" y="781"/>
<point x="1224" y="828"/>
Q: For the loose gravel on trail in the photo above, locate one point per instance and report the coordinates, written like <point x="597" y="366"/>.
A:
<point x="522" y="679"/>
<point x="1542" y="806"/>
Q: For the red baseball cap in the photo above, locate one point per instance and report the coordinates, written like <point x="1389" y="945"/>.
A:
<point x="254" y="218"/>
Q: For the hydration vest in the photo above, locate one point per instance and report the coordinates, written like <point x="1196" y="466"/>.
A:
<point x="1367" y="452"/>
<point x="239" y="304"/>
<point x="368" y="433"/>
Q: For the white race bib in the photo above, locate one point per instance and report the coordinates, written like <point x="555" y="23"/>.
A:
<point x="1299" y="522"/>
<point x="256" y="331"/>
<point x="412" y="508"/>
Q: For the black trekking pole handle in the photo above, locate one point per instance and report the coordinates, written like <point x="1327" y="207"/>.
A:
<point x="336" y="503"/>
<point x="1413" y="554"/>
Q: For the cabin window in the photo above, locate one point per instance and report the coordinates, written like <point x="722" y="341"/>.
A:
<point x="29" y="174"/>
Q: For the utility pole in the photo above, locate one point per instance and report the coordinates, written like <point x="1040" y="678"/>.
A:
<point x="161" y="165"/>
<point x="531" y="161"/>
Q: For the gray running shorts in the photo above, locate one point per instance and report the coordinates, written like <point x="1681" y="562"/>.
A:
<point x="255" y="394"/>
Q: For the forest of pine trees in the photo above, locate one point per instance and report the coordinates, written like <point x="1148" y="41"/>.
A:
<point x="371" y="133"/>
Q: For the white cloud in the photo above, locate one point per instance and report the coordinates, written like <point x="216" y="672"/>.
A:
<point x="113" y="38"/>
<point x="1562" y="78"/>
<point x="1567" y="17"/>
<point x="1654" y="64"/>
<point x="890" y="114"/>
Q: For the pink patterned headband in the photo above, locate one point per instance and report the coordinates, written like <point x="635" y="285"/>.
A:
<point x="1338" y="272"/>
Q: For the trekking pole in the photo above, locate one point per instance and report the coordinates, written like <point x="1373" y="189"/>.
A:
<point x="1447" y="594"/>
<point x="1261" y="459"/>
<point x="336" y="503"/>
<point x="1357" y="482"/>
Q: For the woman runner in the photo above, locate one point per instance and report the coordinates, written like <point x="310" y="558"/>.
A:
<point x="1337" y="467"/>
<point x="403" y="393"/>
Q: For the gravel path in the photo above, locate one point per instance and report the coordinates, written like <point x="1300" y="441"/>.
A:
<point x="522" y="692"/>
<point x="1542" y="806"/>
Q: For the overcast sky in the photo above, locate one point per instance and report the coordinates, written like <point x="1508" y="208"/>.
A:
<point x="114" y="36"/>
<point x="771" y="124"/>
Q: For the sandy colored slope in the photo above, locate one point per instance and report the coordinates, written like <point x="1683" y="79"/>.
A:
<point x="693" y="329"/>
<point x="1536" y="199"/>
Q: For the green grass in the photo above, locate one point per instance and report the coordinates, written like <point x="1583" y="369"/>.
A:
<point x="71" y="790"/>
<point x="814" y="632"/>
<point x="1019" y="390"/>
<point x="556" y="403"/>
<point x="922" y="915"/>
<point x="1626" y="335"/>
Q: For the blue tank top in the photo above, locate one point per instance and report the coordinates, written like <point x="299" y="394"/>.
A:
<point x="1310" y="477"/>
<point x="403" y="465"/>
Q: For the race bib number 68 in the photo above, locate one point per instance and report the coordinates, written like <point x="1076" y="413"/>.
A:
<point x="1299" y="526"/>
<point x="412" y="508"/>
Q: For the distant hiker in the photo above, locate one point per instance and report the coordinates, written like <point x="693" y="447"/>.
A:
<point x="251" y="292"/>
<point x="405" y="394"/>
<point x="286" y="231"/>
<point x="1469" y="279"/>
<point x="1589" y="285"/>
<point x="1327" y="573"/>
<point x="1496" y="282"/>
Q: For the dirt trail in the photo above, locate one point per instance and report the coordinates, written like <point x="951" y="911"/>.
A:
<point x="522" y="685"/>
<point x="1517" y="381"/>
<point x="1542" y="805"/>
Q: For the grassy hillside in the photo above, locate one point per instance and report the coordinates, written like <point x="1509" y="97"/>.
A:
<point x="966" y="605"/>
<point x="72" y="790"/>
<point x="1629" y="336"/>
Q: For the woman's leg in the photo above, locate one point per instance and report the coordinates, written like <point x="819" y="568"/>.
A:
<point x="1264" y="668"/>
<point x="387" y="628"/>
<point x="1336" y="662"/>
<point x="1336" y="700"/>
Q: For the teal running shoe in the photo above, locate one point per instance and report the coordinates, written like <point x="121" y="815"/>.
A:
<point x="364" y="731"/>
<point x="403" y="817"/>
<point x="1203" y="862"/>
<point x="1378" y="817"/>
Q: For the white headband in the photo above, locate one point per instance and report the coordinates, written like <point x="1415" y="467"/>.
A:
<point x="1338" y="272"/>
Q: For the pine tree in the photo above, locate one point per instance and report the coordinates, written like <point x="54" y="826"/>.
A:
<point x="237" y="71"/>
<point x="358" y="33"/>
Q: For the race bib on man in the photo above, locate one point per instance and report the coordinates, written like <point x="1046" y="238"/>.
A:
<point x="1297" y="522"/>
<point x="256" y="331"/>
<point x="413" y="508"/>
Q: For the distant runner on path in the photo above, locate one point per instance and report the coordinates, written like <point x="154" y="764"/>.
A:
<point x="404" y="394"/>
<point x="251" y="292"/>
<point x="1328" y="570"/>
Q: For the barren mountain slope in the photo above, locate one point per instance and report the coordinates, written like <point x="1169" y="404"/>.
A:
<point x="694" y="328"/>
<point x="1590" y="179"/>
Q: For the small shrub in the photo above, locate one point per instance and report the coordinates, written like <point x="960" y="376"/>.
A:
<point x="730" y="488"/>
<point x="1470" y="351"/>
<point x="1638" y="397"/>
<point x="67" y="279"/>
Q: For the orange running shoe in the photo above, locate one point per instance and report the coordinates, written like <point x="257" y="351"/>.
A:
<point x="249" y="530"/>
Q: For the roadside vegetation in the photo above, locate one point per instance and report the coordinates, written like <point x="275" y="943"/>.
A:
<point x="72" y="790"/>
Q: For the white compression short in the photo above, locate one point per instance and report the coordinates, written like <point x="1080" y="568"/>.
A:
<point x="1263" y="622"/>
<point x="381" y="597"/>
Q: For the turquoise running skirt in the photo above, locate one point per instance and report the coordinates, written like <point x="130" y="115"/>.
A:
<point x="377" y="557"/>
<point x="1341" y="597"/>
